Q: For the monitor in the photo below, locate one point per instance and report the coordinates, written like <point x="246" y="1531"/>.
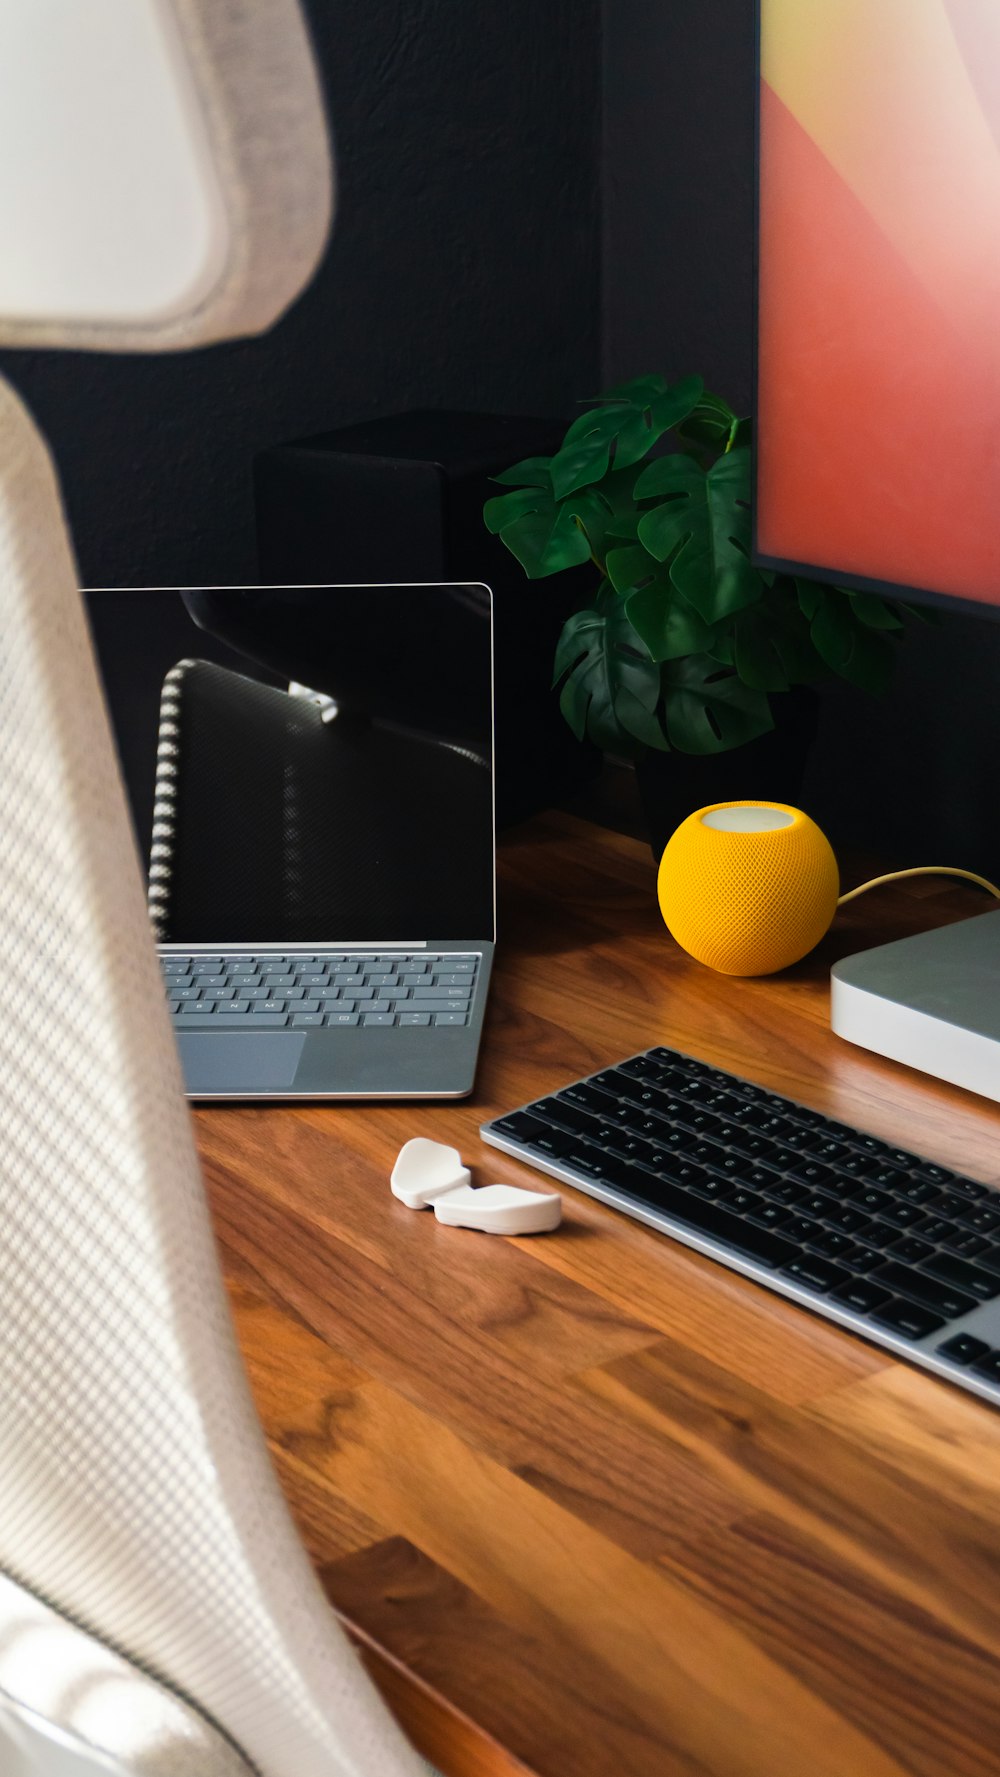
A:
<point x="878" y="348"/>
<point x="877" y="387"/>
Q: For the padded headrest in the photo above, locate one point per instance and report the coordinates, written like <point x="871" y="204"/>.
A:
<point x="165" y="170"/>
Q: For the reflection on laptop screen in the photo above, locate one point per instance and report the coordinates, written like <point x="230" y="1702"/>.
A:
<point x="307" y="765"/>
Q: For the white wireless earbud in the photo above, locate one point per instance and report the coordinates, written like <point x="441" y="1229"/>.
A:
<point x="429" y="1174"/>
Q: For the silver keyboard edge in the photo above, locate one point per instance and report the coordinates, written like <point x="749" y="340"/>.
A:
<point x="911" y="1350"/>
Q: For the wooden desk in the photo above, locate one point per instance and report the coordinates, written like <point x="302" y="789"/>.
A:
<point x="592" y="1505"/>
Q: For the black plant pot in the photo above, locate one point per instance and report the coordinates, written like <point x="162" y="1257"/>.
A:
<point x="771" y="768"/>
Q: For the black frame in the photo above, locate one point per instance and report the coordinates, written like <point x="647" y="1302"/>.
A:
<point x="890" y="589"/>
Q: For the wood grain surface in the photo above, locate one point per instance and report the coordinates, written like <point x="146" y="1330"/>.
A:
<point x="591" y="1505"/>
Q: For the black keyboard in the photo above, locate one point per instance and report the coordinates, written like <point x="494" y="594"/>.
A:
<point x="888" y="1244"/>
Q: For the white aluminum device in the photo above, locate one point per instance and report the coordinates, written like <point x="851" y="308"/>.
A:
<point x="931" y="1001"/>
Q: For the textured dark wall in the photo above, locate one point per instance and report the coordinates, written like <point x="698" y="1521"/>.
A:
<point x="678" y="190"/>
<point x="463" y="273"/>
<point x="914" y="775"/>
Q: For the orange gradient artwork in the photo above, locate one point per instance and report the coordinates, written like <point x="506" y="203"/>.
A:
<point x="878" y="369"/>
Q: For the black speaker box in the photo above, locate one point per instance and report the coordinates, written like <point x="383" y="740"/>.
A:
<point x="401" y="499"/>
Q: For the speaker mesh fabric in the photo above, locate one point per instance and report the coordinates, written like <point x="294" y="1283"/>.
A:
<point x="257" y="88"/>
<point x="748" y="903"/>
<point x="136" y="1495"/>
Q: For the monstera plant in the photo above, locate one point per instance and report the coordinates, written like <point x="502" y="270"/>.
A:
<point x="684" y="640"/>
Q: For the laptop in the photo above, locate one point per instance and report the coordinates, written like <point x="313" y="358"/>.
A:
<point x="310" y="772"/>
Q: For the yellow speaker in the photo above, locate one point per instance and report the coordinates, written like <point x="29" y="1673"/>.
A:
<point x="748" y="887"/>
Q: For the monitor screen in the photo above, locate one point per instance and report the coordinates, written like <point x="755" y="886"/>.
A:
<point x="877" y="440"/>
<point x="306" y="764"/>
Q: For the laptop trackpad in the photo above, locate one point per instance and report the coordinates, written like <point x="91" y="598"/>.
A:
<point x="240" y="1062"/>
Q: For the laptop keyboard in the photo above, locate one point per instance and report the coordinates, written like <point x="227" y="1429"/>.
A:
<point x="902" y="1248"/>
<point x="254" y="991"/>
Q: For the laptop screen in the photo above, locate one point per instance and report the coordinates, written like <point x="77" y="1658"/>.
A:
<point x="307" y="765"/>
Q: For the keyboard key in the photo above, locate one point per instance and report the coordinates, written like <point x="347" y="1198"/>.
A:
<point x="907" y="1318"/>
<point x="179" y="995"/>
<point x="268" y="1005"/>
<point x="981" y="1218"/>
<point x="810" y="1172"/>
<point x="944" y="1297"/>
<point x="831" y="1245"/>
<point x="918" y="1191"/>
<point x="587" y="1097"/>
<point x="340" y="1018"/>
<point x="863" y="1259"/>
<point x="424" y="1004"/>
<point x="963" y="1349"/>
<point x="302" y="1019"/>
<point x="767" y="1215"/>
<point x="802" y="1228"/>
<point x="971" y="1188"/>
<point x="902" y="1214"/>
<point x="719" y="1223"/>
<point x="987" y="1366"/>
<point x="971" y="1278"/>
<point x="949" y="1203"/>
<point x="847" y="1220"/>
<point x="967" y="1246"/>
<point x="911" y="1249"/>
<point x="269" y="1020"/>
<point x="818" y="1274"/>
<point x="382" y="1019"/>
<point x="872" y="1200"/>
<point x="780" y="1190"/>
<point x="450" y="1018"/>
<point x="938" y="1175"/>
<point x="861" y="1295"/>
<point x="414" y="1018"/>
<point x="938" y="1230"/>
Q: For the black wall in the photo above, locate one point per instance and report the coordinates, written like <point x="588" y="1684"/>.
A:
<point x="916" y="774"/>
<point x="463" y="273"/>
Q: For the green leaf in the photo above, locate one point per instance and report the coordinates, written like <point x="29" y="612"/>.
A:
<point x="707" y="707"/>
<point x="702" y="527"/>
<point x="772" y="647"/>
<point x="874" y="612"/>
<point x="810" y="596"/>
<point x="545" y="535"/>
<point x="503" y="509"/>
<point x="611" y="687"/>
<point x="622" y="430"/>
<point x="532" y="472"/>
<point x="859" y="654"/>
<point x="658" y="613"/>
<point x="709" y="422"/>
<point x="641" y="388"/>
<point x="609" y="512"/>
